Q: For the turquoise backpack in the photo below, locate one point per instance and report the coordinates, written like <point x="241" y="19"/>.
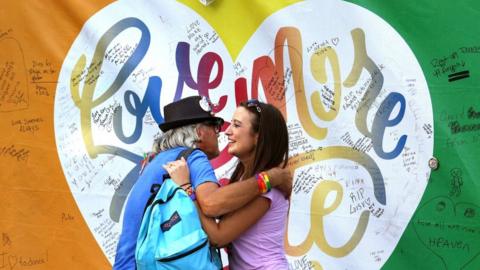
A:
<point x="171" y="235"/>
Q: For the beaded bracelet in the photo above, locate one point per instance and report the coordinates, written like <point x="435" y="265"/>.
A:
<point x="190" y="192"/>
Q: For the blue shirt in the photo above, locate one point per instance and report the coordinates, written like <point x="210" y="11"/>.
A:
<point x="201" y="171"/>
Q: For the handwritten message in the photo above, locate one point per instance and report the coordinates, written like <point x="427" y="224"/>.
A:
<point x="6" y="242"/>
<point x="119" y="53"/>
<point x="200" y="38"/>
<point x="103" y="117"/>
<point x="9" y="260"/>
<point x="464" y="126"/>
<point x="42" y="70"/>
<point x="14" y="152"/>
<point x="105" y="229"/>
<point x="13" y="77"/>
<point x="30" y="125"/>
<point x="447" y="64"/>
<point x="13" y="94"/>
<point x="449" y="230"/>
<point x="297" y="139"/>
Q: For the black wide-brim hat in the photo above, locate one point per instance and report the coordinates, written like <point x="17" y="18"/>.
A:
<point x="187" y="111"/>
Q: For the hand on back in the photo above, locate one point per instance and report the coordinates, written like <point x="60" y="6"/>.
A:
<point x="281" y="178"/>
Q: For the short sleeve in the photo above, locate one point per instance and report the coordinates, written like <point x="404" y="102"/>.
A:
<point x="201" y="170"/>
<point x="273" y="195"/>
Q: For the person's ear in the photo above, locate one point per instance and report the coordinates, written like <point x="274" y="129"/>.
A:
<point x="200" y="132"/>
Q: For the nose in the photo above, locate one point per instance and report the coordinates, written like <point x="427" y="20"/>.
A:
<point x="228" y="131"/>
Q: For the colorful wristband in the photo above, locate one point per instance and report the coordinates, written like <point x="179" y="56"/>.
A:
<point x="262" y="186"/>
<point x="266" y="179"/>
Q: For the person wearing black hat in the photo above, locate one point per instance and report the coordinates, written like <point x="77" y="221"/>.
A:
<point x="189" y="122"/>
<point x="190" y="119"/>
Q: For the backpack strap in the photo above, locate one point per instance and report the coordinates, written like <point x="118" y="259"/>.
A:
<point x="185" y="153"/>
<point x="153" y="192"/>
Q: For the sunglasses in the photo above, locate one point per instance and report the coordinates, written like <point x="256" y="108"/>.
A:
<point x="217" y="125"/>
<point x="254" y="103"/>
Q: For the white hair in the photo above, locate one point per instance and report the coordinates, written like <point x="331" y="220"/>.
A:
<point x="182" y="136"/>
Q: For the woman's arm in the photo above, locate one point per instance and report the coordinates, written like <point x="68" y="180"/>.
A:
<point x="232" y="225"/>
<point x="215" y="201"/>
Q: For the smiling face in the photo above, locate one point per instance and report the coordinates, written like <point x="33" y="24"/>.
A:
<point x="242" y="139"/>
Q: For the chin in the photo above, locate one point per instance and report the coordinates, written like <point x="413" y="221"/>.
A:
<point x="211" y="155"/>
<point x="231" y="151"/>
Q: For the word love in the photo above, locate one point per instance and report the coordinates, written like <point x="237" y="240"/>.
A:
<point x="265" y="71"/>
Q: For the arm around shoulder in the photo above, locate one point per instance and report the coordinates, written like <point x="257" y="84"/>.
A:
<point x="216" y="201"/>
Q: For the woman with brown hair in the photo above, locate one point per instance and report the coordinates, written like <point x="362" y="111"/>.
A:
<point x="258" y="137"/>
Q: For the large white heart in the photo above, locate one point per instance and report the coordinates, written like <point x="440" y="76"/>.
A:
<point x="357" y="103"/>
